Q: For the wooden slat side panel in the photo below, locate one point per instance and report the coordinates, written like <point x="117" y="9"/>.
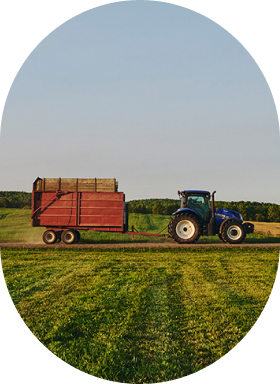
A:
<point x="68" y="185"/>
<point x="80" y="185"/>
<point x="87" y="185"/>
<point x="50" y="184"/>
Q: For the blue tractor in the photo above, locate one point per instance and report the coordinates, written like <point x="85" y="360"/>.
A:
<point x="198" y="216"/>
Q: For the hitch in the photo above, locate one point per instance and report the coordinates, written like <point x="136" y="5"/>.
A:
<point x="135" y="232"/>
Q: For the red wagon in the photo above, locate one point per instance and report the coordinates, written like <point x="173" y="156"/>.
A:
<point x="66" y="206"/>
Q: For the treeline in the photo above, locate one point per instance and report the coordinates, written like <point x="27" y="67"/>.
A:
<point x="15" y="199"/>
<point x="154" y="206"/>
<point x="251" y="211"/>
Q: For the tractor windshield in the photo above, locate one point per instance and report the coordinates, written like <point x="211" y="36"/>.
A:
<point x="199" y="203"/>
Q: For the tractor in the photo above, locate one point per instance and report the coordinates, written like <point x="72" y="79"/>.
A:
<point x="197" y="216"/>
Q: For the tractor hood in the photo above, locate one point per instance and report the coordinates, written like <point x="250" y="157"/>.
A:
<point x="221" y="214"/>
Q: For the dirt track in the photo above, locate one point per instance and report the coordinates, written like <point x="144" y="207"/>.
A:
<point x="139" y="245"/>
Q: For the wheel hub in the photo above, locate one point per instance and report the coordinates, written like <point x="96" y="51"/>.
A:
<point x="185" y="229"/>
<point x="234" y="232"/>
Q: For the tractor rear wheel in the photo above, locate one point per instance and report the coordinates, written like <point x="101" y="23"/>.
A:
<point x="233" y="232"/>
<point x="220" y="237"/>
<point x="185" y="228"/>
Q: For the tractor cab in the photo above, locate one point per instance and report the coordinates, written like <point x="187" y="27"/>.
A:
<point x="198" y="201"/>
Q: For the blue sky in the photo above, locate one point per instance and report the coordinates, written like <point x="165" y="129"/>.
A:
<point x="153" y="94"/>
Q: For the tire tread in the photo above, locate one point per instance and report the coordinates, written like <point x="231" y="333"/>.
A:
<point x="172" y="228"/>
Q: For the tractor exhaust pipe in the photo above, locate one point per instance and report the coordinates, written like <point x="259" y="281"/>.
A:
<point x="213" y="204"/>
<point x="212" y="222"/>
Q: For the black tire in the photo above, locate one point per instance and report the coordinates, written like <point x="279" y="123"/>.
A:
<point x="170" y="227"/>
<point x="78" y="236"/>
<point x="220" y="236"/>
<point x="69" y="236"/>
<point x="49" y="236"/>
<point x="184" y="228"/>
<point x="233" y="232"/>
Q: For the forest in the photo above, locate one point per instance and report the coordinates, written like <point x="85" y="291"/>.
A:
<point x="251" y="211"/>
<point x="15" y="199"/>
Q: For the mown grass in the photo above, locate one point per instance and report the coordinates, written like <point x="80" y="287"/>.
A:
<point x="140" y="315"/>
<point x="15" y="226"/>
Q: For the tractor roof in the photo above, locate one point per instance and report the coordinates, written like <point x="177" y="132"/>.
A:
<point x="196" y="192"/>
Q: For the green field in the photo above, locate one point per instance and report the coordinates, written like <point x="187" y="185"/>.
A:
<point x="140" y="315"/>
<point x="136" y="315"/>
<point x="15" y="226"/>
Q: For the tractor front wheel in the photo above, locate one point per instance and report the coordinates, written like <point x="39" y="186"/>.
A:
<point x="185" y="228"/>
<point x="233" y="232"/>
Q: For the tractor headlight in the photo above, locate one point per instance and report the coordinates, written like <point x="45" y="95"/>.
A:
<point x="241" y="217"/>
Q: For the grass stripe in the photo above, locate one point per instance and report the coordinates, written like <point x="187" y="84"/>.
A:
<point x="140" y="315"/>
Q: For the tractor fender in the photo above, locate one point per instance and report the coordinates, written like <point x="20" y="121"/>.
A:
<point x="187" y="210"/>
<point x="226" y="221"/>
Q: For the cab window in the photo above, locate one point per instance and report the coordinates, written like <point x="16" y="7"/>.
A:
<point x="199" y="204"/>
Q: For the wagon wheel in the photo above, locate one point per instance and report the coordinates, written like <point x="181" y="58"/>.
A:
<point x="78" y="236"/>
<point x="49" y="237"/>
<point x="69" y="236"/>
